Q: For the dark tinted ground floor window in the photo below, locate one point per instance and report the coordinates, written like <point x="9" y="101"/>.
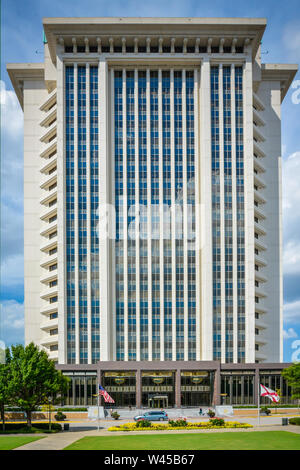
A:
<point x="237" y="389"/>
<point x="158" y="389"/>
<point x="121" y="385"/>
<point x="82" y="390"/>
<point x="196" y="388"/>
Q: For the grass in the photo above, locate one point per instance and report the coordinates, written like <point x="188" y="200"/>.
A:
<point x="261" y="440"/>
<point x="12" y="442"/>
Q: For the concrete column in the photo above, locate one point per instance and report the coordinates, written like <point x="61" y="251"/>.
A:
<point x="222" y="215"/>
<point x="173" y="245"/>
<point x="217" y="388"/>
<point x="161" y="217"/>
<point x="138" y="378"/>
<point x="199" y="228"/>
<point x="234" y="217"/>
<point x="177" y="389"/>
<point x="205" y="197"/>
<point x="249" y="213"/>
<point x="61" y="233"/>
<point x="185" y="220"/>
<point x="104" y="181"/>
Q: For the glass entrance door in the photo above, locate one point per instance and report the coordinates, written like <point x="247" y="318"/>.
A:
<point x="158" y="402"/>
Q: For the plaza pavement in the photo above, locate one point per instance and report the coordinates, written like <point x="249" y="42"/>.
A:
<point x="82" y="429"/>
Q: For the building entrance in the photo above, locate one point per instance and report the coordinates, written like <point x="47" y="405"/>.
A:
<point x="158" y="401"/>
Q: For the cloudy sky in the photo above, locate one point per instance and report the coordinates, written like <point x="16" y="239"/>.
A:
<point x="21" y="41"/>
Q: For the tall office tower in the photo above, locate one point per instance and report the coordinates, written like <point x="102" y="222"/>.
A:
<point x="172" y="127"/>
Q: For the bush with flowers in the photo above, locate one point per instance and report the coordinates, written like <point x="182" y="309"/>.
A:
<point x="178" y="423"/>
<point x="211" y="424"/>
<point x="217" y="422"/>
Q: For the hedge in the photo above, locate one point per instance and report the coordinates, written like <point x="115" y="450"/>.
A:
<point x="36" y="427"/>
<point x="295" y="421"/>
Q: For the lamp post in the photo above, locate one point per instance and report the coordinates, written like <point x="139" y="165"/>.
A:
<point x="49" y="412"/>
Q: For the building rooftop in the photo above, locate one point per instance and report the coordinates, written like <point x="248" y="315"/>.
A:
<point x="203" y="28"/>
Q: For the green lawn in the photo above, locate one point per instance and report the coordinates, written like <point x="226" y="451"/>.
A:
<point x="262" y="440"/>
<point x="11" y="442"/>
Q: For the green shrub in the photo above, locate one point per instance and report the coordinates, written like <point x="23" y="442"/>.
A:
<point x="178" y="423"/>
<point x="71" y="409"/>
<point x="115" y="415"/>
<point x="60" y="416"/>
<point x="295" y="421"/>
<point x="217" y="422"/>
<point x="211" y="413"/>
<point x="143" y="423"/>
<point x="265" y="409"/>
<point x="36" y="427"/>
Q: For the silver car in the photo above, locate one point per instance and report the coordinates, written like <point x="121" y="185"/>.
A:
<point x="152" y="416"/>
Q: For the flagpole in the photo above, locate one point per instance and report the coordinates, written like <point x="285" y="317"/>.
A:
<point x="98" y="402"/>
<point x="258" y="401"/>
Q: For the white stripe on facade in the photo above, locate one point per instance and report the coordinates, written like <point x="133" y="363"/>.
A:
<point x="61" y="232"/>
<point x="103" y="156"/>
<point x="161" y="216"/>
<point x="234" y="215"/>
<point x="173" y="222"/>
<point x="198" y="238"/>
<point x="149" y="222"/>
<point x="184" y="214"/>
<point x="222" y="216"/>
<point x="137" y="216"/>
<point x="249" y="212"/>
<point x="125" y="212"/>
<point x="206" y="300"/>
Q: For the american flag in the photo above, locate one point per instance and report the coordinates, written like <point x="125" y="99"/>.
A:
<point x="105" y="395"/>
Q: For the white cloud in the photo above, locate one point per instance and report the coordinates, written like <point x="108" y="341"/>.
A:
<point x="11" y="113"/>
<point x="12" y="271"/>
<point x="291" y="213"/>
<point x="291" y="312"/>
<point x="12" y="321"/>
<point x="291" y="257"/>
<point x="291" y="40"/>
<point x="290" y="333"/>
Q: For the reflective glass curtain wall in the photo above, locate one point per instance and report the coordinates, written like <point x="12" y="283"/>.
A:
<point x="146" y="190"/>
<point x="224" y="208"/>
<point x="79" y="208"/>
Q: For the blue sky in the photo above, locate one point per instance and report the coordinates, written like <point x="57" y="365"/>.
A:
<point x="21" y="41"/>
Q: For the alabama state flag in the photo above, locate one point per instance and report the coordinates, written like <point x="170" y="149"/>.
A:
<point x="267" y="392"/>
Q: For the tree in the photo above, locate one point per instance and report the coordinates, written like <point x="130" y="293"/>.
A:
<point x="4" y="387"/>
<point x="34" y="379"/>
<point x="292" y="376"/>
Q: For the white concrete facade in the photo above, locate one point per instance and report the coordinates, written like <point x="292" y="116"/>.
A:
<point x="159" y="45"/>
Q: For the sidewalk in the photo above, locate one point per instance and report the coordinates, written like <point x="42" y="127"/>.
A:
<point x="61" y="440"/>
